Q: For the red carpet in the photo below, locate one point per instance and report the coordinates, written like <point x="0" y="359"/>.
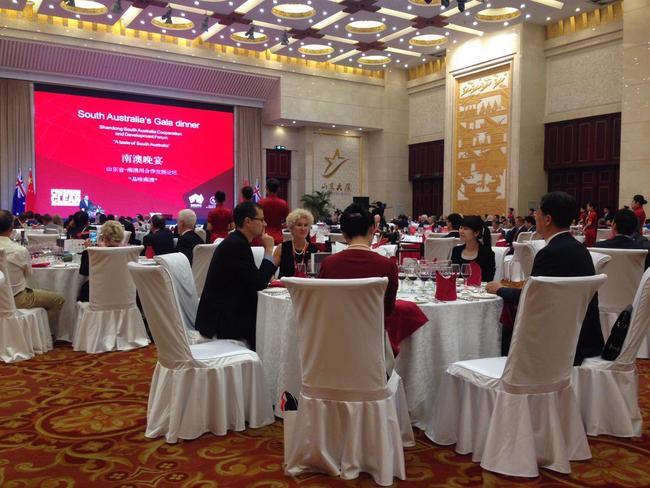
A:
<point x="76" y="420"/>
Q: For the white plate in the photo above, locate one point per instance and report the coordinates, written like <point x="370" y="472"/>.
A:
<point x="482" y="296"/>
<point x="147" y="262"/>
<point x="276" y="291"/>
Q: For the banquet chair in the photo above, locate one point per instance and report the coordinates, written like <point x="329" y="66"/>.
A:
<point x="337" y="238"/>
<point x="439" y="248"/>
<point x="494" y="238"/>
<point x="499" y="261"/>
<point x="23" y="332"/>
<point x="338" y="247"/>
<point x="350" y="418"/>
<point x="201" y="263"/>
<point x="603" y="234"/>
<point x="111" y="320"/>
<point x="524" y="236"/>
<point x="623" y="277"/>
<point x="74" y="246"/>
<point x="187" y="300"/>
<point x="518" y="413"/>
<point x="201" y="233"/>
<point x="600" y="261"/>
<point x="258" y="255"/>
<point x="525" y="256"/>
<point x="126" y="238"/>
<point x="42" y="239"/>
<point x="212" y="387"/>
<point x="608" y="391"/>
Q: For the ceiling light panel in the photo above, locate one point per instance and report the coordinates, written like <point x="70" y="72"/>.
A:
<point x="223" y="7"/>
<point x="13" y="5"/>
<point x="185" y="25"/>
<point x="315" y="48"/>
<point x="366" y="26"/>
<point x="98" y="11"/>
<point x="234" y="35"/>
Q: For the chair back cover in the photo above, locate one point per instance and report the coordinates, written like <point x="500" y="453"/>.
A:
<point x="494" y="238"/>
<point x="340" y="328"/>
<point x="524" y="236"/>
<point x="7" y="303"/>
<point x="73" y="245"/>
<point x="201" y="233"/>
<point x="623" y="277"/>
<point x="180" y="271"/>
<point x="603" y="234"/>
<point x="337" y="238"/>
<point x="127" y="237"/>
<point x="600" y="261"/>
<point x="43" y="239"/>
<point x="201" y="263"/>
<point x="499" y="261"/>
<point x="439" y="248"/>
<point x="545" y="335"/>
<point x="525" y="254"/>
<point x="258" y="255"/>
<point x="338" y="247"/>
<point x="157" y="297"/>
<point x="111" y="286"/>
<point x="639" y="322"/>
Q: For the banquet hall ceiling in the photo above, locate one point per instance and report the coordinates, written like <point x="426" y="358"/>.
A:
<point x="359" y="33"/>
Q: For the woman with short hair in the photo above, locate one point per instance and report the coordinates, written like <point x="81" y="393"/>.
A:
<point x="298" y="249"/>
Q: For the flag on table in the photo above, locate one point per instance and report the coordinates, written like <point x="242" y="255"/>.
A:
<point x="18" y="205"/>
<point x="30" y="203"/>
<point x="257" y="195"/>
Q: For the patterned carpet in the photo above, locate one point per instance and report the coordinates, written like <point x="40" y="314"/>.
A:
<point x="72" y="419"/>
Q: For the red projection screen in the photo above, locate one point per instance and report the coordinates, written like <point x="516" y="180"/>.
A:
<point x="129" y="154"/>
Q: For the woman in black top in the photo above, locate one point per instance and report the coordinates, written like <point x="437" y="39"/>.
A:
<point x="477" y="246"/>
<point x="298" y="249"/>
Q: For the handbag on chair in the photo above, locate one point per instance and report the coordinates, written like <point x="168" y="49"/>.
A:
<point x="616" y="338"/>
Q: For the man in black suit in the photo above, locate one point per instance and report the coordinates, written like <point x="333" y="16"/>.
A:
<point x="187" y="238"/>
<point x="160" y="238"/>
<point x="625" y="235"/>
<point x="530" y="224"/>
<point x="563" y="256"/>
<point x="228" y="306"/>
<point x="453" y="224"/>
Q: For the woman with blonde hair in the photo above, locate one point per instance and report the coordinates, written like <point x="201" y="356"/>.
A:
<point x="111" y="234"/>
<point x="298" y="249"/>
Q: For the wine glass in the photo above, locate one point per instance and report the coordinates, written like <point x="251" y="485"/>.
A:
<point x="401" y="275"/>
<point x="412" y="275"/>
<point x="424" y="274"/>
<point x="466" y="272"/>
<point x="455" y="269"/>
<point x="300" y="270"/>
<point x="445" y="271"/>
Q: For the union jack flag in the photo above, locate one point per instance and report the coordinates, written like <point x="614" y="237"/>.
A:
<point x="257" y="195"/>
<point x="18" y="204"/>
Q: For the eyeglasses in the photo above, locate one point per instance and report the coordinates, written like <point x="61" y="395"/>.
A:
<point x="261" y="219"/>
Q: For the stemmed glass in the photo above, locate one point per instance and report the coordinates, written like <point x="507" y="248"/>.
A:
<point x="466" y="272"/>
<point x="412" y="275"/>
<point x="300" y="270"/>
<point x="425" y="274"/>
<point x="401" y="275"/>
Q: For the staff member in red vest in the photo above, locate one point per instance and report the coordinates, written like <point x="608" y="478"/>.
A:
<point x="220" y="220"/>
<point x="637" y="206"/>
<point x="275" y="210"/>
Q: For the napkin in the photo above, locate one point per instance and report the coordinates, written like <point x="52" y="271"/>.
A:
<point x="40" y="265"/>
<point x="148" y="252"/>
<point x="446" y="287"/>
<point x="501" y="243"/>
<point x="382" y="242"/>
<point x="276" y="284"/>
<point x="405" y="319"/>
<point x="475" y="278"/>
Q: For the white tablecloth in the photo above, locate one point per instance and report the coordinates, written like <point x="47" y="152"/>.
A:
<point x="455" y="331"/>
<point x="67" y="282"/>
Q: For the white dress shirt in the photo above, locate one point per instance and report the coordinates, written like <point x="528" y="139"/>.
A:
<point x="19" y="264"/>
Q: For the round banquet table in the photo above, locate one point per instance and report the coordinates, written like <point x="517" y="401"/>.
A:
<point x="456" y="331"/>
<point x="66" y="281"/>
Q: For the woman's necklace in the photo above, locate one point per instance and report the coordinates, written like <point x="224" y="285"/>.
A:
<point x="301" y="252"/>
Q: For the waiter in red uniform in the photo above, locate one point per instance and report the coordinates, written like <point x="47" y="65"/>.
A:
<point x="220" y="220"/>
<point x="275" y="210"/>
<point x="637" y="206"/>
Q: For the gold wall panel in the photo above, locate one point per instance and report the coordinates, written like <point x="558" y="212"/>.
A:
<point x="480" y="151"/>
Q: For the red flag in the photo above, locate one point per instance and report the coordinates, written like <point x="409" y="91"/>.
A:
<point x="30" y="203"/>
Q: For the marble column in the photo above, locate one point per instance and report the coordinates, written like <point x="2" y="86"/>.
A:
<point x="635" y="123"/>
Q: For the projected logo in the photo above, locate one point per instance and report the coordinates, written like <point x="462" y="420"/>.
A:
<point x="60" y="197"/>
<point x="196" y="200"/>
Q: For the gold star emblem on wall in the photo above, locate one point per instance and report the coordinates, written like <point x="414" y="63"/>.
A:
<point x="333" y="164"/>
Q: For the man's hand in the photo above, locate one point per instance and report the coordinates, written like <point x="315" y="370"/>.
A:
<point x="268" y="243"/>
<point x="493" y="287"/>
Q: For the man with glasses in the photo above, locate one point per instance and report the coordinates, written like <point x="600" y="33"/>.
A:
<point x="228" y="305"/>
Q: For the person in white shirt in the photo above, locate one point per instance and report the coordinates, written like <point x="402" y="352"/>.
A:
<point x="19" y="268"/>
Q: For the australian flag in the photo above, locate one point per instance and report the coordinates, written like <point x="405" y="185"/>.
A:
<point x="257" y="194"/>
<point x="18" y="205"/>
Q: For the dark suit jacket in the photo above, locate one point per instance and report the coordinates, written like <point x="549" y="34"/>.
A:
<point x="453" y="233"/>
<point x="228" y="306"/>
<point x="186" y="244"/>
<point x="162" y="241"/>
<point x="565" y="257"/>
<point x="129" y="226"/>
<point x="626" y="242"/>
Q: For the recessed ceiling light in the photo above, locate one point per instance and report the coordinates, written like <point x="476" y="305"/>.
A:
<point x="506" y="23"/>
<point x="164" y="31"/>
<point x="51" y="6"/>
<point x="293" y="121"/>
<point x="408" y="7"/>
<point x="577" y="9"/>
<point x="336" y="26"/>
<point x="150" y="14"/>
<point x="547" y="19"/>
<point x="523" y="5"/>
<point x="261" y="10"/>
<point x="406" y="65"/>
<point x="324" y="13"/>
<point x="110" y="16"/>
<point x="528" y="16"/>
<point x="196" y="3"/>
<point x="446" y="33"/>
<point x="474" y="23"/>
<point x="333" y="125"/>
<point x="360" y="128"/>
<point x="466" y="14"/>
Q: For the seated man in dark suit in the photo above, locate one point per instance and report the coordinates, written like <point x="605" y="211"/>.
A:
<point x="563" y="256"/>
<point x="228" y="306"/>
<point x="187" y="238"/>
<point x="453" y="224"/>
<point x="625" y="235"/>
<point x="128" y="226"/>
<point x="160" y="239"/>
<point x="529" y="224"/>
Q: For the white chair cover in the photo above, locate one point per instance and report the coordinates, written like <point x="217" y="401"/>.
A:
<point x="600" y="261"/>
<point x="180" y="271"/>
<point x="524" y="236"/>
<point x="24" y="332"/>
<point x="517" y="413"/>
<point x="211" y="387"/>
<point x="623" y="277"/>
<point x="337" y="238"/>
<point x="608" y="391"/>
<point x="347" y="420"/>
<point x="387" y="250"/>
<point x="111" y="320"/>
<point x="338" y="247"/>
<point x="258" y="255"/>
<point x="201" y="264"/>
<point x="439" y="248"/>
<point x="494" y="238"/>
<point x="201" y="233"/>
<point x="603" y="234"/>
<point x="42" y="239"/>
<point x="525" y="255"/>
<point x="499" y="261"/>
<point x="127" y="236"/>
